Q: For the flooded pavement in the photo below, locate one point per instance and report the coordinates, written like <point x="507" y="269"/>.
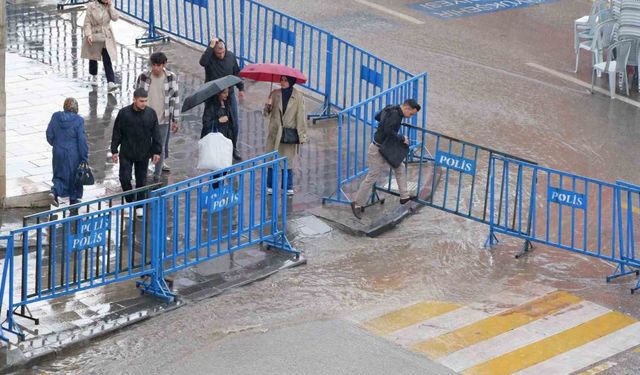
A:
<point x="482" y="88"/>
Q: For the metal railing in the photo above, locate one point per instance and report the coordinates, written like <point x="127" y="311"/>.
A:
<point x="565" y="211"/>
<point x="182" y="225"/>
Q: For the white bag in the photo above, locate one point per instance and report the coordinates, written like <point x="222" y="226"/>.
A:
<point x="215" y="151"/>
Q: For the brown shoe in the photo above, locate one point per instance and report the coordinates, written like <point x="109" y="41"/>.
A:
<point x="356" y="210"/>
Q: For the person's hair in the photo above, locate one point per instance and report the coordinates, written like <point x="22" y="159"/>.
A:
<point x="70" y="105"/>
<point x="411" y="103"/>
<point x="220" y="45"/>
<point x="140" y="93"/>
<point x="158" y="58"/>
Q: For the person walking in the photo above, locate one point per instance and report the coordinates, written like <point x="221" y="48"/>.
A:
<point x="136" y="135"/>
<point x="161" y="86"/>
<point x="287" y="116"/>
<point x="66" y="135"/>
<point x="99" y="42"/>
<point x="390" y="121"/>
<point x="218" y="116"/>
<point x="218" y="62"/>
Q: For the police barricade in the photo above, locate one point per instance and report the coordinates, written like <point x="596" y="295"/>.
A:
<point x="629" y="203"/>
<point x="224" y="214"/>
<point x="563" y="210"/>
<point x="77" y="257"/>
<point x="213" y="175"/>
<point x="341" y="72"/>
<point x="138" y="9"/>
<point x="356" y="126"/>
<point x="184" y="224"/>
<point x="47" y="243"/>
<point x="453" y="175"/>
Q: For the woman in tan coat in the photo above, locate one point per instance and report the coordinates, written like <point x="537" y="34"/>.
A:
<point x="99" y="42"/>
<point x="285" y="109"/>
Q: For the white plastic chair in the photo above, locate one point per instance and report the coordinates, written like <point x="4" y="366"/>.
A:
<point x="612" y="67"/>
<point x="602" y="38"/>
<point x="582" y="25"/>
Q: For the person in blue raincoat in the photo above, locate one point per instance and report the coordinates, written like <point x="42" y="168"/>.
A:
<point x="66" y="134"/>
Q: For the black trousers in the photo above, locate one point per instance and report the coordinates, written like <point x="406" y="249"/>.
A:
<point x="108" y="67"/>
<point x="140" y="170"/>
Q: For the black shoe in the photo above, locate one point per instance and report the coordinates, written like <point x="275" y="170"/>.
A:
<point x="236" y="155"/>
<point x="405" y="200"/>
<point x="357" y="211"/>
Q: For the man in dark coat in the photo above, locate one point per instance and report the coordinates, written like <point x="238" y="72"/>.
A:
<point x="136" y="133"/>
<point x="390" y="121"/>
<point x="66" y="134"/>
<point x="217" y="63"/>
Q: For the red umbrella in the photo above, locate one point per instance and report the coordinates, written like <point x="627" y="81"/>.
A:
<point x="271" y="73"/>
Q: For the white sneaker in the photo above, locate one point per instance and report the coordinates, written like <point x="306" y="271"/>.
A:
<point x="269" y="191"/>
<point x="166" y="168"/>
<point x="112" y="86"/>
<point x="93" y="80"/>
<point x="290" y="192"/>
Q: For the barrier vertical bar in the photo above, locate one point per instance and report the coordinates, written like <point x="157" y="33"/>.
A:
<point x="492" y="239"/>
<point x="242" y="33"/>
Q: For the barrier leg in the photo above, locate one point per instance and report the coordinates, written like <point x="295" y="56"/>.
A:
<point x="70" y="3"/>
<point x="526" y="247"/>
<point x="157" y="286"/>
<point x="338" y="197"/>
<point x="491" y="240"/>
<point x="280" y="241"/>
<point x="324" y="113"/>
<point x="622" y="270"/>
<point x="151" y="38"/>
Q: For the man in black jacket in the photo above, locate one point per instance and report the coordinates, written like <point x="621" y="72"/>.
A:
<point x="137" y="134"/>
<point x="217" y="63"/>
<point x="389" y="123"/>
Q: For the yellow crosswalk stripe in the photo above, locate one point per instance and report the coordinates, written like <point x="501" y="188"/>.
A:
<point x="471" y="334"/>
<point x="408" y="316"/>
<point x="550" y="347"/>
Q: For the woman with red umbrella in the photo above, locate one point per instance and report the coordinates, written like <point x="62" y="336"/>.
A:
<point x="287" y="126"/>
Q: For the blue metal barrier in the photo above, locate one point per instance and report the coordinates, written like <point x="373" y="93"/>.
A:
<point x="356" y="126"/>
<point x="464" y="169"/>
<point x="341" y="72"/>
<point x="223" y="215"/>
<point x="564" y="210"/>
<point x="76" y="257"/>
<point x="178" y="226"/>
<point x="249" y="163"/>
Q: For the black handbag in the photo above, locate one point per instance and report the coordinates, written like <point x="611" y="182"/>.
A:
<point x="394" y="151"/>
<point x="84" y="176"/>
<point x="290" y="136"/>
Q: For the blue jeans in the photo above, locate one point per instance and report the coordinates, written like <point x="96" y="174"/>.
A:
<point x="289" y="178"/>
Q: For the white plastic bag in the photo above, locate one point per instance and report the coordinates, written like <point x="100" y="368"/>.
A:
<point x="215" y="151"/>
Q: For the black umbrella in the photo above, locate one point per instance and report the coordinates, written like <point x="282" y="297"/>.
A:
<point x="208" y="90"/>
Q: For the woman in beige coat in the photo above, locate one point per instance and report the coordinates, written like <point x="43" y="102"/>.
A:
<point x="99" y="42"/>
<point x="285" y="108"/>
